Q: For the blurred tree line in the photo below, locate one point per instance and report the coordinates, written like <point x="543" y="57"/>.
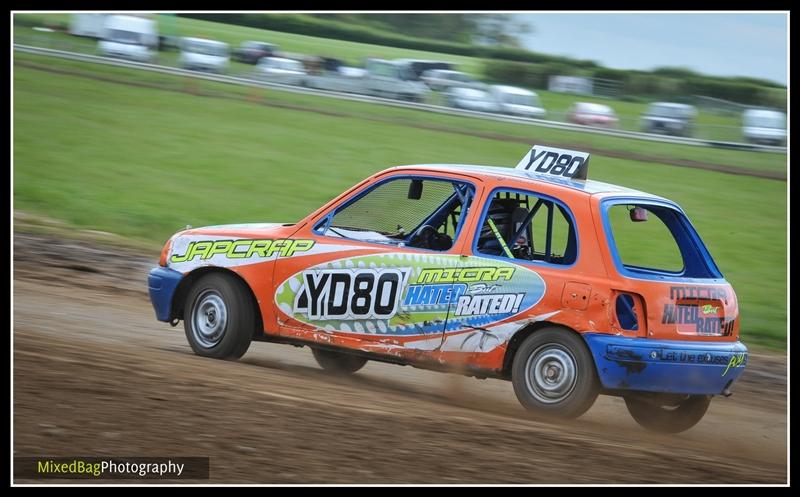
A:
<point x="481" y="29"/>
<point x="495" y="38"/>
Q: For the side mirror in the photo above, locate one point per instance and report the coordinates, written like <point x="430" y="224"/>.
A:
<point x="415" y="189"/>
<point x="638" y="214"/>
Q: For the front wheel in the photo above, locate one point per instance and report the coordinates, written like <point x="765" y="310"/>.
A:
<point x="338" y="362"/>
<point x="554" y="374"/>
<point x="219" y="317"/>
<point x="667" y="414"/>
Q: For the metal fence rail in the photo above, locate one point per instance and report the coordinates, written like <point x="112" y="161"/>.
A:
<point x="245" y="81"/>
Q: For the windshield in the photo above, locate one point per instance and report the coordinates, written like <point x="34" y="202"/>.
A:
<point x="460" y="76"/>
<point x="473" y="95"/>
<point x="122" y="36"/>
<point x="254" y="45"/>
<point x="418" y="212"/>
<point x="407" y="74"/>
<point x="288" y="65"/>
<point x="668" y="111"/>
<point x="521" y="99"/>
<point x="205" y="48"/>
<point x="596" y="110"/>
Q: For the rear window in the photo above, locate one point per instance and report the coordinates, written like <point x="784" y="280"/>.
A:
<point x="646" y="244"/>
<point x="658" y="240"/>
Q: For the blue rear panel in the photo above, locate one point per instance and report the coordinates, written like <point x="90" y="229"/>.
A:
<point x="669" y="366"/>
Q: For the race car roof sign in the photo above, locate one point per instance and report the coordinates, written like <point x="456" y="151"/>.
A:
<point x="556" y="161"/>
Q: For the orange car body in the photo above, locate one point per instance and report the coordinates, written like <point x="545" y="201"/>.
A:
<point x="461" y="308"/>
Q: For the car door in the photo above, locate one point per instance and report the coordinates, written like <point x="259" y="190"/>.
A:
<point x="369" y="282"/>
<point x="521" y="240"/>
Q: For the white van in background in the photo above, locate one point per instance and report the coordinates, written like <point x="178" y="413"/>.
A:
<point x="393" y="79"/>
<point x="89" y="25"/>
<point x="343" y="78"/>
<point x="517" y="101"/>
<point x="470" y="99"/>
<point x="763" y="126"/>
<point x="129" y="37"/>
<point x="281" y="70"/>
<point x="200" y="54"/>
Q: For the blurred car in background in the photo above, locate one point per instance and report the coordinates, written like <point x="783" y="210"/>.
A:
<point x="517" y="101"/>
<point x="341" y="78"/>
<point x="442" y="79"/>
<point x="280" y="70"/>
<point x="763" y="126"/>
<point x="471" y="99"/>
<point x="669" y="119"/>
<point x="592" y="114"/>
<point x="416" y="67"/>
<point x="129" y="37"/>
<point x="250" y="52"/>
<point x="200" y="54"/>
<point x="393" y="79"/>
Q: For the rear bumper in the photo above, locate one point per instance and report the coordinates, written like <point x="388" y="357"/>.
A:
<point x="161" y="283"/>
<point x="669" y="366"/>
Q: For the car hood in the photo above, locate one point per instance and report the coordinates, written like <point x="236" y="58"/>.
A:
<point x="236" y="245"/>
<point x="245" y="230"/>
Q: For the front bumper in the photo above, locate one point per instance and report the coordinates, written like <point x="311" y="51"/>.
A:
<point x="161" y="283"/>
<point x="668" y="366"/>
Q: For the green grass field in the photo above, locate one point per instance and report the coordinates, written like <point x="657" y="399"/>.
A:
<point x="709" y="125"/>
<point x="143" y="163"/>
<point x="756" y="161"/>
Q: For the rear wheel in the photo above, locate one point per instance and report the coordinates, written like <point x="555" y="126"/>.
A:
<point x="219" y="317"/>
<point x="672" y="414"/>
<point x="554" y="374"/>
<point x="338" y="362"/>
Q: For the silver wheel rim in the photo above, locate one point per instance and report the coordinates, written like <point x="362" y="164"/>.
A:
<point x="551" y="373"/>
<point x="209" y="319"/>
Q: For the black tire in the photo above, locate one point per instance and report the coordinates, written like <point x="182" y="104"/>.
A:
<point x="667" y="416"/>
<point x="219" y="317"/>
<point x="338" y="362"/>
<point x="567" y="383"/>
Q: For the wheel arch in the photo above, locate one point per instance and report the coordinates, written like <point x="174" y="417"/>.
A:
<point x="188" y="281"/>
<point x="522" y="334"/>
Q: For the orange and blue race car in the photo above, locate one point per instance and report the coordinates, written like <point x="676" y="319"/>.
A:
<point x="567" y="287"/>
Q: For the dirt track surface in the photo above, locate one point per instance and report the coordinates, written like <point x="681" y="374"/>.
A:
<point x="96" y="374"/>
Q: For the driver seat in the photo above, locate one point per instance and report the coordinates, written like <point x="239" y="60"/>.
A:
<point x="517" y="218"/>
<point x="507" y="215"/>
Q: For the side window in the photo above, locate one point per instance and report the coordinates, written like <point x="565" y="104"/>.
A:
<point x="416" y="212"/>
<point x="528" y="227"/>
<point x="384" y="69"/>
